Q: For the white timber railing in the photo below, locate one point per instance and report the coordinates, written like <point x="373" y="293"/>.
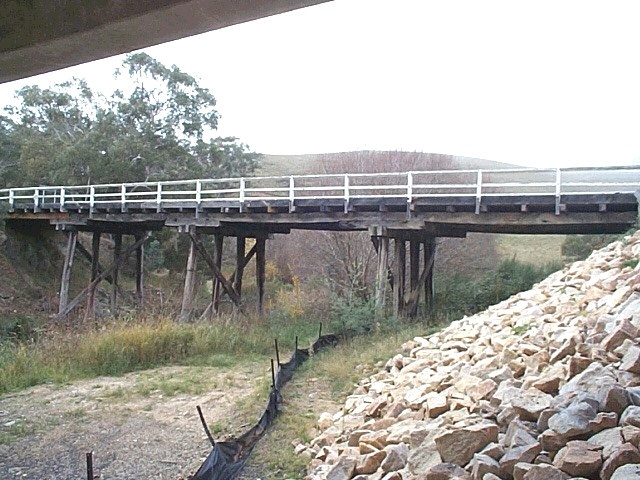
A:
<point x="475" y="185"/>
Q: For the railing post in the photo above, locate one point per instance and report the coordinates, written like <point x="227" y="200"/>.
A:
<point x="62" y="199"/>
<point x="241" y="195"/>
<point x="36" y="199"/>
<point x="11" y="199"/>
<point x="558" y="183"/>
<point x="292" y="193"/>
<point x="92" y="198"/>
<point x="159" y="197"/>
<point x="123" y="198"/>
<point x="346" y="193"/>
<point x="478" y="192"/>
<point x="198" y="194"/>
<point x="409" y="190"/>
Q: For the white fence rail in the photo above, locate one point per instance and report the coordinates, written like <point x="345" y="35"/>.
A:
<point x="410" y="186"/>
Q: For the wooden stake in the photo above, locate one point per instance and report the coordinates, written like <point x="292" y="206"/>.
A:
<point x="72" y="240"/>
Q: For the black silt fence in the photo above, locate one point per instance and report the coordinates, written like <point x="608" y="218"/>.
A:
<point x="227" y="458"/>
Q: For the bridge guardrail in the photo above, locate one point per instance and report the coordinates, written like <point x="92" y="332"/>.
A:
<point x="413" y="185"/>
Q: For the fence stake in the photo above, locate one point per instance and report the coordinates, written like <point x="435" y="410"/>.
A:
<point x="89" y="465"/>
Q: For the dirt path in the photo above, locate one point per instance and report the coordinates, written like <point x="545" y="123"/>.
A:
<point x="142" y="425"/>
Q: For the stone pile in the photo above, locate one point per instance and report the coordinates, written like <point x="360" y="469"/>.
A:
<point x="545" y="385"/>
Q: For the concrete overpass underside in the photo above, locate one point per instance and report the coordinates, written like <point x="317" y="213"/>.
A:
<point x="39" y="36"/>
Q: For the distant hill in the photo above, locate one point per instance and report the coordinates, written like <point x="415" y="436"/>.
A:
<point x="371" y="161"/>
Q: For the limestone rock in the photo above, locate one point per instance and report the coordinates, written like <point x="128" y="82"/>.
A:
<point x="631" y="360"/>
<point x="573" y="421"/>
<point x="368" y="464"/>
<point x="630" y="471"/>
<point x="613" y="398"/>
<point x="530" y="403"/>
<point x="610" y="440"/>
<point x="579" y="459"/>
<point x="343" y="470"/>
<point x="630" y="416"/>
<point x="458" y="446"/>
<point x="543" y="472"/>
<point x="446" y="471"/>
<point x="396" y="457"/>
<point x="626" y="454"/>
<point x="523" y="454"/>
<point x="482" y="464"/>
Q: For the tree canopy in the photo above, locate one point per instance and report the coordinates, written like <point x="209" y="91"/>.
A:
<point x="158" y="126"/>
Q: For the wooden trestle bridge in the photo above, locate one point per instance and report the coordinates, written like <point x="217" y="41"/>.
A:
<point x="411" y="208"/>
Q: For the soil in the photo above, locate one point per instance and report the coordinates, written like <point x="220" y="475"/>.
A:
<point x="134" y="432"/>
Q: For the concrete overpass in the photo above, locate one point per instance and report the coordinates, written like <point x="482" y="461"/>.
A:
<point x="40" y="36"/>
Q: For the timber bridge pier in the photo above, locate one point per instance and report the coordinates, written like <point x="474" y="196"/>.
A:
<point x="411" y="209"/>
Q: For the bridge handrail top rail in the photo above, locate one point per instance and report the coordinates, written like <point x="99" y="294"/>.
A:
<point x="319" y="176"/>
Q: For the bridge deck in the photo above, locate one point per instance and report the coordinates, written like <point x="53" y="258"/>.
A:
<point x="442" y="203"/>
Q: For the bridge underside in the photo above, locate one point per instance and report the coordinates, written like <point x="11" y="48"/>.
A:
<point x="407" y="268"/>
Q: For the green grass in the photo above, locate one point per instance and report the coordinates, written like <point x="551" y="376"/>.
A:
<point x="122" y="348"/>
<point x="536" y="250"/>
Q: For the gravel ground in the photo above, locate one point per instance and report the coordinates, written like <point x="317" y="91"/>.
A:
<point x="134" y="427"/>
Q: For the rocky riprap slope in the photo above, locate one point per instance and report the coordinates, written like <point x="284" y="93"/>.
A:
<point x="545" y="385"/>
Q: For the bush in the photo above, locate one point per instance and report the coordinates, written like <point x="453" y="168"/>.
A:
<point x="579" y="247"/>
<point x="457" y="295"/>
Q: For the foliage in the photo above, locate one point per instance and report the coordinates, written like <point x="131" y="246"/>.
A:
<point x="579" y="247"/>
<point x="353" y="316"/>
<point x="159" y="128"/>
<point x="458" y="295"/>
<point x="153" y="255"/>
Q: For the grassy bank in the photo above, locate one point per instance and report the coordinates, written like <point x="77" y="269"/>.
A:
<point x="128" y="346"/>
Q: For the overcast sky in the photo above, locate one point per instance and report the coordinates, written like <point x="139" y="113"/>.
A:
<point x="538" y="83"/>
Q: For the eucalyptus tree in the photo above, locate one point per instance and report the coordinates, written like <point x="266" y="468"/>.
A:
<point x="158" y="124"/>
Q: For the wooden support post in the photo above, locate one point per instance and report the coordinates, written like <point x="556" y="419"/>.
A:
<point x="188" y="293"/>
<point x="216" y="285"/>
<point x="74" y="303"/>
<point x="72" y="240"/>
<point x="226" y="284"/>
<point x="140" y="269"/>
<point x="241" y="245"/>
<point x="398" y="277"/>
<point x="117" y="251"/>
<point x="260" y="272"/>
<point x="414" y="277"/>
<point x="381" y="273"/>
<point x="429" y="262"/>
<point x="95" y="272"/>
